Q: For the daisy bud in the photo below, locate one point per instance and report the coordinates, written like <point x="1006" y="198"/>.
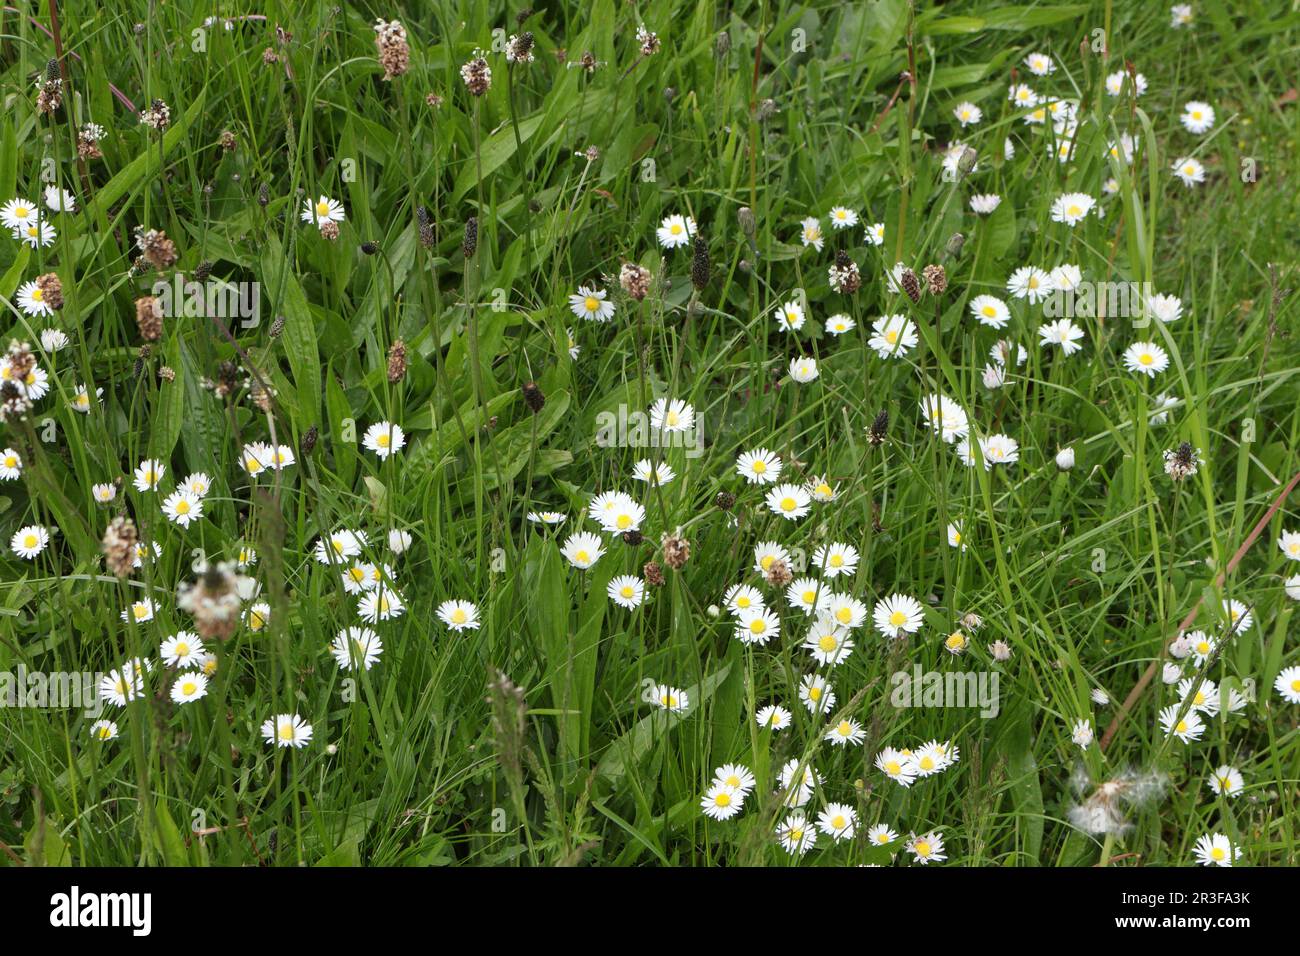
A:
<point x="1065" y="459"/>
<point x="745" y="215"/>
<point x="713" y="610"/>
<point x="533" y="397"/>
<point x="936" y="279"/>
<point x="397" y="361"/>
<point x="966" y="162"/>
<point x="700" y="264"/>
<point x="1000" y="650"/>
<point x="654" y="575"/>
<point x="911" y="285"/>
<point x="308" y="443"/>
<point x="470" y="244"/>
<point x="952" y="249"/>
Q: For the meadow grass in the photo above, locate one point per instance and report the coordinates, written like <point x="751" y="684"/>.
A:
<point x="530" y="740"/>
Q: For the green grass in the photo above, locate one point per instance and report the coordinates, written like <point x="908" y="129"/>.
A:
<point x="1086" y="574"/>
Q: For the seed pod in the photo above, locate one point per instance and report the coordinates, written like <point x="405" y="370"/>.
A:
<point x="879" y="428"/>
<point x="725" y="500"/>
<point x="700" y="264"/>
<point x="470" y="244"/>
<point x="911" y="285"/>
<point x="308" y="444"/>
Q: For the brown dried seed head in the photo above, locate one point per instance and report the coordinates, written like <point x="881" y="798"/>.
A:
<point x="397" y="361"/>
<point x="149" y="318"/>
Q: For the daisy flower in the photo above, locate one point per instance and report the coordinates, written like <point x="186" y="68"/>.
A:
<point x="31" y="299"/>
<point x="121" y="686"/>
<point x="1215" y="850"/>
<point x="1145" y="358"/>
<point x="459" y="615"/>
<point x="60" y="200"/>
<point x="582" y="549"/>
<point x="774" y="717"/>
<point x="743" y="597"/>
<point x="1197" y="117"/>
<point x="1186" y="728"/>
<point x="836" y="558"/>
<point x="1029" y="282"/>
<point x="767" y="553"/>
<point x="984" y="203"/>
<point x="838" y="821"/>
<point x="926" y="848"/>
<point x="140" y="611"/>
<point x="103" y="730"/>
<point x="11" y="464"/>
<point x="182" y="649"/>
<point x="36" y="234"/>
<point x="672" y="416"/>
<point x="1070" y="208"/>
<point x="795" y="834"/>
<point x="810" y="233"/>
<point x="148" y="474"/>
<point x="54" y="340"/>
<point x="189" y="687"/>
<point x="790" y="316"/>
<point x="897" y="766"/>
<point x="1166" y="308"/>
<point x="803" y="370"/>
<point x="737" y="776"/>
<point x="828" y="643"/>
<point x="384" y="439"/>
<point x="1238" y="615"/>
<point x="840" y="323"/>
<point x="356" y="646"/>
<point x="1287" y="684"/>
<point x="842" y="218"/>
<point x="897" y="615"/>
<point x="789" y="501"/>
<point x="798" y="780"/>
<point x="675" y="231"/>
<point x="1081" y="733"/>
<point x="17" y="213"/>
<point x="821" y="489"/>
<point x="197" y="483"/>
<point x="29" y="541"/>
<point x="380" y="604"/>
<point x="875" y="234"/>
<point x="845" y="732"/>
<point x="323" y="210"/>
<point x="1040" y="64"/>
<point x="757" y="626"/>
<point x="967" y="114"/>
<point x="626" y="590"/>
<point x="546" y="517"/>
<point x="590" y="303"/>
<point x="846" y="611"/>
<point x="1062" y="332"/>
<point x="670" y="699"/>
<point x="1226" y="781"/>
<point x="990" y="311"/>
<point x="892" y="336"/>
<point x="1115" y="83"/>
<point x="945" y="417"/>
<point x="1289" y="542"/>
<point x="1022" y="95"/>
<point x="1180" y="15"/>
<point x="759" y="467"/>
<point x="182" y="507"/>
<point x="1190" y="171"/>
<point x="807" y="594"/>
<point x="287" y="730"/>
<point x="721" y="802"/>
<point x="881" y="835"/>
<point x="816" y="694"/>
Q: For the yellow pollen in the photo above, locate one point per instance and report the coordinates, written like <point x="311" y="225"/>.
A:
<point x="844" y="615"/>
<point x="322" y="209"/>
<point x="827" y="643"/>
<point x="898" y="618"/>
<point x="591" y="303"/>
<point x="459" y="616"/>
